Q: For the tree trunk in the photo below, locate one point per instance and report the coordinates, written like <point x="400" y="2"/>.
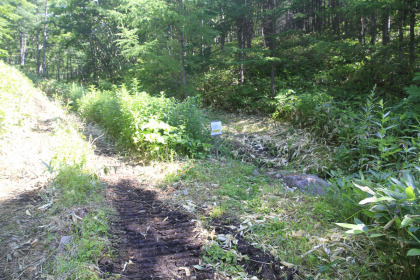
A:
<point x="38" y="56"/>
<point x="93" y="54"/>
<point x="386" y="24"/>
<point x="269" y="27"/>
<point x="44" y="46"/>
<point x="240" y="23"/>
<point x="22" y="41"/>
<point x="181" y="42"/>
<point x="412" y="34"/>
<point x="335" y="20"/>
<point x="373" y="28"/>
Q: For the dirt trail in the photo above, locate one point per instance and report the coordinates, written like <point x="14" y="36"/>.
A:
<point x="153" y="237"/>
<point x="155" y="240"/>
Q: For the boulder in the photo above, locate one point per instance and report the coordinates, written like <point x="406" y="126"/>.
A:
<point x="306" y="182"/>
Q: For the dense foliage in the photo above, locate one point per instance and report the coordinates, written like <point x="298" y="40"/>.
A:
<point x="249" y="50"/>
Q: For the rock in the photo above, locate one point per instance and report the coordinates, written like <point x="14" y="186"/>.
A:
<point x="306" y="182"/>
<point x="278" y="174"/>
<point x="64" y="240"/>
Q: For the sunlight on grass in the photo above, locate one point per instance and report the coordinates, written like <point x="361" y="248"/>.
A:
<point x="296" y="228"/>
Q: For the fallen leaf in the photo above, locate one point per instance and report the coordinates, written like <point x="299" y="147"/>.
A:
<point x="289" y="265"/>
<point x="187" y="270"/>
<point x="198" y="267"/>
<point x="213" y="232"/>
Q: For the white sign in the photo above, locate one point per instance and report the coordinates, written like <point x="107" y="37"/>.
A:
<point x="216" y="128"/>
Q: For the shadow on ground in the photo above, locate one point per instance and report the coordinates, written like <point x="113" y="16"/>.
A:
<point x="154" y="241"/>
<point x="23" y="237"/>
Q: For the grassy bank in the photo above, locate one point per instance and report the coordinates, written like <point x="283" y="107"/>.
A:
<point x="66" y="221"/>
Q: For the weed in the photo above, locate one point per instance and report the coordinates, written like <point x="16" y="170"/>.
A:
<point x="77" y="186"/>
<point x="225" y="260"/>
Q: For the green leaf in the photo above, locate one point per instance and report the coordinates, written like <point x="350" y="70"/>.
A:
<point x="365" y="189"/>
<point x="358" y="222"/>
<point x="389" y="224"/>
<point x="413" y="252"/>
<point x="376" y="199"/>
<point x="325" y="268"/>
<point x="413" y="229"/>
<point x="369" y="213"/>
<point x="373" y="235"/>
<point x="406" y="222"/>
<point x="409" y="191"/>
<point x="354" y="229"/>
<point x="378" y="208"/>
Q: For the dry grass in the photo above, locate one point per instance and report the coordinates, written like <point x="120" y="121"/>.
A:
<point x="268" y="143"/>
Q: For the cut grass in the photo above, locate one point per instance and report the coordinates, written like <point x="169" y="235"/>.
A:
<point x="293" y="226"/>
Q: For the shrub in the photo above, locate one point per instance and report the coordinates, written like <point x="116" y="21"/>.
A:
<point x="153" y="126"/>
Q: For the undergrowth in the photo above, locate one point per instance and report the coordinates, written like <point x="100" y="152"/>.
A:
<point x="155" y="127"/>
<point x="376" y="171"/>
<point x="296" y="228"/>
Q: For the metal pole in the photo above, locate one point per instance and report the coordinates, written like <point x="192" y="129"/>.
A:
<point x="217" y="147"/>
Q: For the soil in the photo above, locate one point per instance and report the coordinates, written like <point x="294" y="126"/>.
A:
<point x="155" y="241"/>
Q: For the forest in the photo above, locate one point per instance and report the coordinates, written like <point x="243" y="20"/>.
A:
<point x="153" y="73"/>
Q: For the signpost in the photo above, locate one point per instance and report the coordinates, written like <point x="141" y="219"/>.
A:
<point x="216" y="130"/>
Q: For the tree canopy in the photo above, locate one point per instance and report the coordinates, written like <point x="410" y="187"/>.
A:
<point x="185" y="47"/>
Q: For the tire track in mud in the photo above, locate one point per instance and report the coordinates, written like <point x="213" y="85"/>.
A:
<point x="155" y="240"/>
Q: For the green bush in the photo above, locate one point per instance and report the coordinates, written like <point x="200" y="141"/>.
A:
<point x="153" y="126"/>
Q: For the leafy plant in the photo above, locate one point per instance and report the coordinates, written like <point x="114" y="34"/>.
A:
<point x="16" y="92"/>
<point x="394" y="212"/>
<point x="224" y="259"/>
<point x="156" y="127"/>
<point x="77" y="186"/>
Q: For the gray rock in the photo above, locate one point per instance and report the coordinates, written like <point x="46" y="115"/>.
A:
<point x="64" y="240"/>
<point x="306" y="182"/>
